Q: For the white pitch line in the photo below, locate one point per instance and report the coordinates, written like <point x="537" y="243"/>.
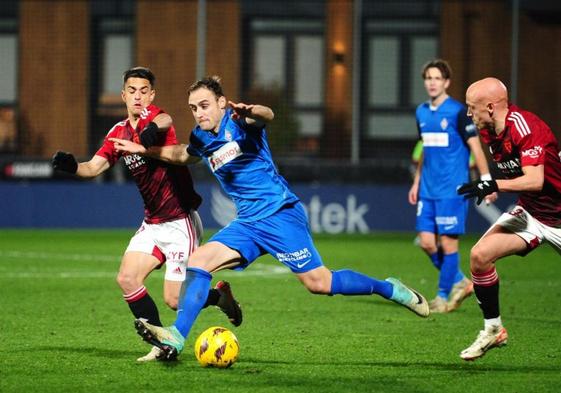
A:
<point x="256" y="269"/>
<point x="61" y="275"/>
<point x="59" y="256"/>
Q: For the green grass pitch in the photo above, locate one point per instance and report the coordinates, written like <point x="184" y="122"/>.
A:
<point x="64" y="326"/>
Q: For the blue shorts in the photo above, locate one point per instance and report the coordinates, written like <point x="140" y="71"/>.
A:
<point x="285" y="235"/>
<point x="442" y="216"/>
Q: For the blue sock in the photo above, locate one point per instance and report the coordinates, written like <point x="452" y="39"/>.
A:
<point x="448" y="272"/>
<point x="459" y="276"/>
<point x="436" y="259"/>
<point x="196" y="286"/>
<point x="348" y="282"/>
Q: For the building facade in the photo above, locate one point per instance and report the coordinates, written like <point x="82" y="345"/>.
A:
<point x="343" y="76"/>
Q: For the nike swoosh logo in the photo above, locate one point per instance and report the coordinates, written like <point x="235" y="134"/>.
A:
<point x="301" y="265"/>
<point x="419" y="299"/>
<point x="448" y="227"/>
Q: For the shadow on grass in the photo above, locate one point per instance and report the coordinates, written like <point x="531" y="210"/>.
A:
<point x="379" y="301"/>
<point x="471" y="367"/>
<point x="553" y="322"/>
<point x="93" y="351"/>
<point x="255" y="363"/>
<point x="105" y="353"/>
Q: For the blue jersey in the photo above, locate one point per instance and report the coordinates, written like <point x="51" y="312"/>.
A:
<point x="240" y="158"/>
<point x="444" y="131"/>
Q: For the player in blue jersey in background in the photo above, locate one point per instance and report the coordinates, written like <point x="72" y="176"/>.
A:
<point x="448" y="136"/>
<point x="233" y="143"/>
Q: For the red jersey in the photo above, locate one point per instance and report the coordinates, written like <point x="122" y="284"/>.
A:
<point x="167" y="190"/>
<point x="527" y="140"/>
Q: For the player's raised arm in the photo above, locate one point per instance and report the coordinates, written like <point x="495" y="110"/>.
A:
<point x="254" y="114"/>
<point x="163" y="121"/>
<point x="160" y="124"/>
<point x="173" y="154"/>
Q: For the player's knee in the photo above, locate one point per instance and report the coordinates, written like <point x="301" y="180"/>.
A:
<point x="479" y="260"/>
<point x="427" y="246"/>
<point x="318" y="287"/>
<point x="127" y="282"/>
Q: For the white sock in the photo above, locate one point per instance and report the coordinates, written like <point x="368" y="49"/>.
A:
<point x="492" y="323"/>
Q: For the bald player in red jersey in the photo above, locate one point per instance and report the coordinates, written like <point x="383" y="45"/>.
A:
<point x="527" y="154"/>
<point x="171" y="229"/>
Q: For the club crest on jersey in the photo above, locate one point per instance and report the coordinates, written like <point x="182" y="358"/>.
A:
<point x="224" y="155"/>
<point x="228" y="135"/>
<point x="444" y="124"/>
<point x="145" y="113"/>
<point x="508" y="146"/>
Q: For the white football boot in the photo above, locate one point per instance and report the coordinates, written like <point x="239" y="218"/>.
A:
<point x="438" y="305"/>
<point x="154" y="354"/>
<point x="460" y="291"/>
<point x="494" y="337"/>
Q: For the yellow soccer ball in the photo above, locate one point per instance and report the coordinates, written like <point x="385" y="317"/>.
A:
<point x="217" y="347"/>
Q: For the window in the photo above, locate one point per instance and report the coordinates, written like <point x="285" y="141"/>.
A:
<point x="269" y="62"/>
<point x="112" y="46"/>
<point x="8" y="65"/>
<point x="8" y="83"/>
<point x="397" y="50"/>
<point x="383" y="67"/>
<point x="423" y="49"/>
<point x="308" y="83"/>
<point x="286" y="63"/>
<point x="117" y="53"/>
<point x="116" y="57"/>
<point x="8" y="60"/>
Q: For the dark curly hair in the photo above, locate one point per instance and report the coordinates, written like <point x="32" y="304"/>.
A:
<point x="139" y="72"/>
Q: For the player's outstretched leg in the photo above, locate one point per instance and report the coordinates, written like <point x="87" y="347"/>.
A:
<point x="171" y="339"/>
<point x="348" y="282"/>
<point x="492" y="337"/>
<point x="167" y="339"/>
<point x="228" y="304"/>
<point x="409" y="298"/>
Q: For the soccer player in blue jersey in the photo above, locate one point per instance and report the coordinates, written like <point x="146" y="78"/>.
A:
<point x="448" y="136"/>
<point x="233" y="144"/>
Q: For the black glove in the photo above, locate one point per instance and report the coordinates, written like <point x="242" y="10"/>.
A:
<point x="479" y="189"/>
<point x="149" y="135"/>
<point x="64" y="162"/>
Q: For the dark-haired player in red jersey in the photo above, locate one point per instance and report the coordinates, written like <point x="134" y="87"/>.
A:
<point x="527" y="154"/>
<point x="171" y="229"/>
